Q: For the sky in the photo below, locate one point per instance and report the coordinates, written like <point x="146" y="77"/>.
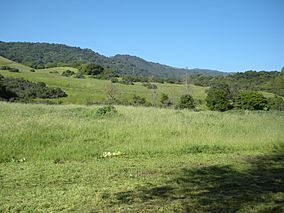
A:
<point x="225" y="35"/>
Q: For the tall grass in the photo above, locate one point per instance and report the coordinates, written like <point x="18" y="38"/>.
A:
<point x="51" y="160"/>
<point x="74" y="132"/>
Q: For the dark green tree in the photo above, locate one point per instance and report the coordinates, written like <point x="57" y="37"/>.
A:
<point x="251" y="100"/>
<point x="92" y="69"/>
<point x="186" y="102"/>
<point x="276" y="103"/>
<point x="68" y="73"/>
<point x="219" y="99"/>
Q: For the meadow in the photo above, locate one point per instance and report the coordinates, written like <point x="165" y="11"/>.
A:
<point x="55" y="158"/>
<point x="91" y="90"/>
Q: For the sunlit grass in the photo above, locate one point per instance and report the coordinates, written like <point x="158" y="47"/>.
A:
<point x="88" y="90"/>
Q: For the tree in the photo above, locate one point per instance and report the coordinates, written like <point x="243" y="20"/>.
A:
<point x="251" y="100"/>
<point x="186" y="102"/>
<point x="219" y="98"/>
<point x="165" y="100"/>
<point x="92" y="69"/>
<point x="276" y="103"/>
<point x="68" y="73"/>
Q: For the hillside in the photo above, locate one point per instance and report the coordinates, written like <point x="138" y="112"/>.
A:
<point x="44" y="55"/>
<point x="90" y="90"/>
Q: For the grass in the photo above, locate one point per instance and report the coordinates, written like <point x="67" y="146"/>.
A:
<point x="51" y="160"/>
<point x="83" y="91"/>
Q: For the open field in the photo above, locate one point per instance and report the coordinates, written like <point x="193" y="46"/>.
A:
<point x="83" y="91"/>
<point x="51" y="160"/>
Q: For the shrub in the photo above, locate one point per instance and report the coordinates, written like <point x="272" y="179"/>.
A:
<point x="186" y="102"/>
<point x="91" y="69"/>
<point x="106" y="110"/>
<point x="137" y="100"/>
<point x="251" y="101"/>
<point x="10" y="69"/>
<point x="218" y="99"/>
<point x="114" y="80"/>
<point x="165" y="101"/>
<point x="276" y="103"/>
<point x="68" y="73"/>
<point x="32" y="70"/>
<point x="127" y="81"/>
<point x="13" y="88"/>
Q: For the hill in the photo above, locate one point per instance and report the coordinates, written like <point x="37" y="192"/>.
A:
<point x="45" y="55"/>
<point x="91" y="90"/>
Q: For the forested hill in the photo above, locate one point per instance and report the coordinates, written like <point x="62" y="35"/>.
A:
<point x="45" y="55"/>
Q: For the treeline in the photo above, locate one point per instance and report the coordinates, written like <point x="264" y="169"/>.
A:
<point x="251" y="80"/>
<point x="13" y="89"/>
<point x="221" y="97"/>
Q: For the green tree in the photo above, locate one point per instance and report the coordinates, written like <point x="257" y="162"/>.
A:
<point x="92" y="69"/>
<point x="276" y="103"/>
<point x="218" y="99"/>
<point x="68" y="73"/>
<point x="186" y="102"/>
<point x="251" y="100"/>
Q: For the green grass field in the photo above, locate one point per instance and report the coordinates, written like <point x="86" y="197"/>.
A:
<point x="83" y="91"/>
<point x="51" y="160"/>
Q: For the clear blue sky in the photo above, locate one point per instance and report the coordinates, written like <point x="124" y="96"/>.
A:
<point x="228" y="35"/>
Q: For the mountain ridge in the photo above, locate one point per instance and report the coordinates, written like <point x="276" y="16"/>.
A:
<point x="43" y="54"/>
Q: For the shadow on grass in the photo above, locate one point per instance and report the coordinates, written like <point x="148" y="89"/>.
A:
<point x="220" y="188"/>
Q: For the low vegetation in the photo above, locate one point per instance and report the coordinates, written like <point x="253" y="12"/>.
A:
<point x="12" y="89"/>
<point x="67" y="158"/>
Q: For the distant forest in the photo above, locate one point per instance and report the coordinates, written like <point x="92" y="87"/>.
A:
<point x="250" y="80"/>
<point x="45" y="55"/>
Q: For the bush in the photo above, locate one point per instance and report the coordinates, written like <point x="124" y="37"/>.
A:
<point x="250" y="100"/>
<point x="127" y="81"/>
<point x="165" y="101"/>
<point x="114" y="80"/>
<point x="106" y="110"/>
<point x="68" y="73"/>
<point x="276" y="103"/>
<point x="91" y="69"/>
<point x="32" y="70"/>
<point x="218" y="99"/>
<point x="13" y="88"/>
<point x="10" y="69"/>
<point x="137" y="100"/>
<point x="186" y="102"/>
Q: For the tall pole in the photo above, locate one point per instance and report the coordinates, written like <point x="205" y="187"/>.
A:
<point x="186" y="80"/>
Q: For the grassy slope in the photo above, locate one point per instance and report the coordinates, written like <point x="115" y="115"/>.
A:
<point x="172" y="160"/>
<point x="81" y="91"/>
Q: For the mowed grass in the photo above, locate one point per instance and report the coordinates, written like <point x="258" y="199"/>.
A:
<point x="88" y="90"/>
<point x="51" y="160"/>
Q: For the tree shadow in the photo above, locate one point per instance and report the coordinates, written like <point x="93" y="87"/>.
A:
<point x="221" y="188"/>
